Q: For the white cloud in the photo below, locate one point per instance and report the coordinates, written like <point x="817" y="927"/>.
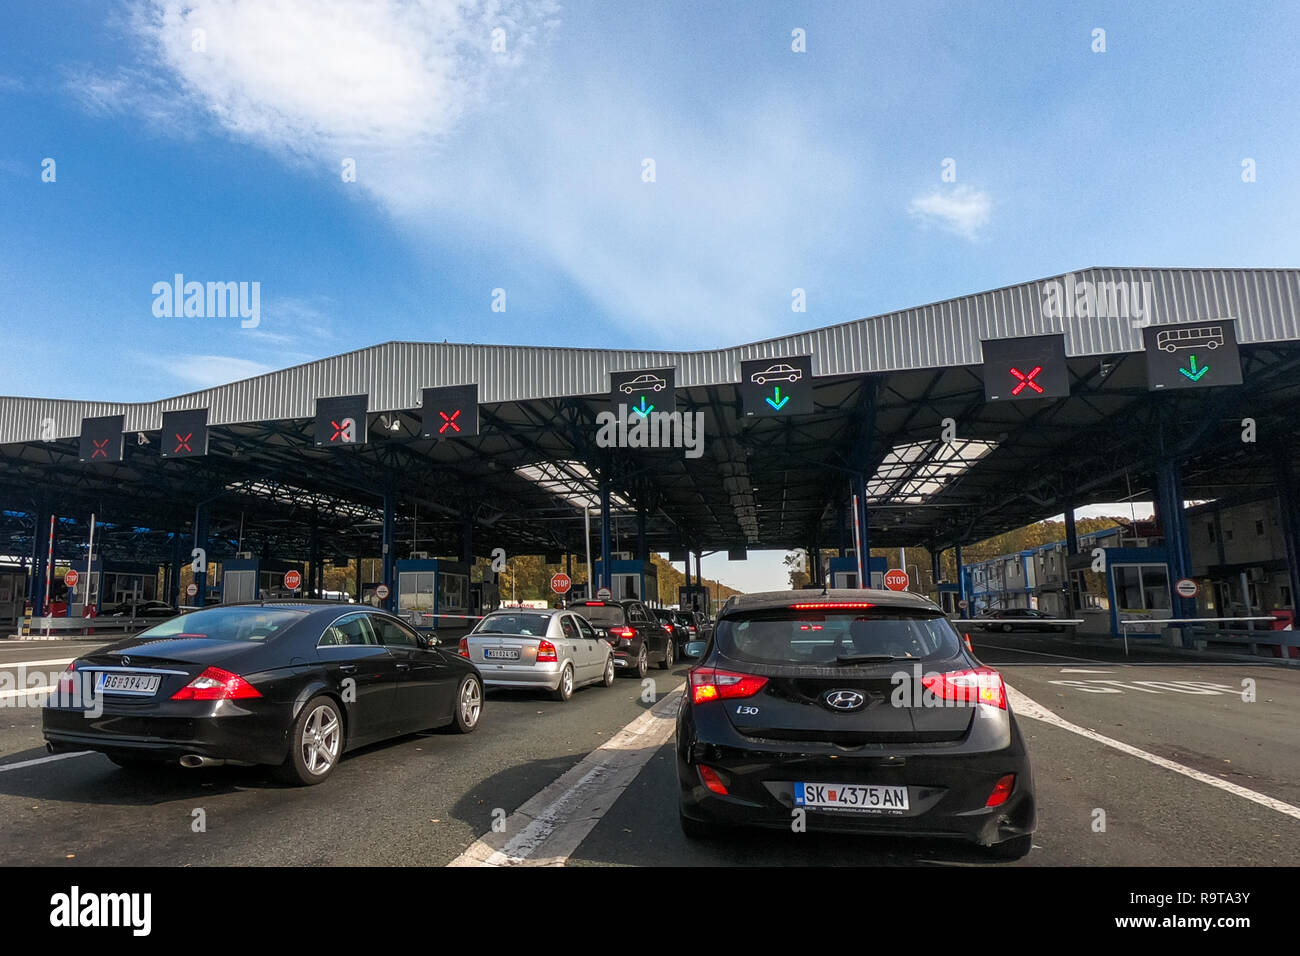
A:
<point x="450" y="141"/>
<point x="204" y="371"/>
<point x="963" y="210"/>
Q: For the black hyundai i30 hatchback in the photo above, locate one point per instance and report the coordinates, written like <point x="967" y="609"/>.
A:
<point x="855" y="710"/>
<point x="294" y="685"/>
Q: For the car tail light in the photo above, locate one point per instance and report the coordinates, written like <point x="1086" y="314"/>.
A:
<point x="1002" y="791"/>
<point x="712" y="780"/>
<point x="593" y="603"/>
<point x="626" y="633"/>
<point x="462" y="648"/>
<point x="68" y="681"/>
<point x="983" y="685"/>
<point x="546" y="653"/>
<point x="821" y="605"/>
<point x="691" y="628"/>
<point x="217" y="684"/>
<point x="709" y="683"/>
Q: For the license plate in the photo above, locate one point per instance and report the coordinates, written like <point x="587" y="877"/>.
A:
<point x="850" y="796"/>
<point x="501" y="653"/>
<point x="143" y="685"/>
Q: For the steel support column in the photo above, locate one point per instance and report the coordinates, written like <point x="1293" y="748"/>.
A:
<point x="1288" y="508"/>
<point x="174" y="573"/>
<point x="863" y="518"/>
<point x="642" y="551"/>
<point x="606" y="552"/>
<point x="1173" y="525"/>
<point x="40" y="549"/>
<point x="389" y="546"/>
<point x="201" y="541"/>
<point x="961" y="582"/>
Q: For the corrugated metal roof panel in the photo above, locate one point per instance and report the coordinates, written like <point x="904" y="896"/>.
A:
<point x="1263" y="301"/>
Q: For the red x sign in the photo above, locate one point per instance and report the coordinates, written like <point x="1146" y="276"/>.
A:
<point x="1026" y="380"/>
<point x="100" y="448"/>
<point x="183" y="444"/>
<point x="449" y="421"/>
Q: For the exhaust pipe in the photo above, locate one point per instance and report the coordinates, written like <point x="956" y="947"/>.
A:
<point x="191" y="761"/>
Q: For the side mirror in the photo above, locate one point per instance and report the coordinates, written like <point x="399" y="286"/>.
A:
<point x="694" y="648"/>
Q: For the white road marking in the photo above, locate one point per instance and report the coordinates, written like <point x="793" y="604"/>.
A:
<point x="64" y="661"/>
<point x="549" y="827"/>
<point x="1025" y="707"/>
<point x="1081" y="670"/>
<point x="26" y="691"/>
<point x="50" y="759"/>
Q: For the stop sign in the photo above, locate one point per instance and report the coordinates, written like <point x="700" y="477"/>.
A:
<point x="71" y="578"/>
<point x="896" y="580"/>
<point x="292" y="579"/>
<point x="381" y="592"/>
<point x="560" y="583"/>
<point x="192" y="590"/>
<point x="1185" y="587"/>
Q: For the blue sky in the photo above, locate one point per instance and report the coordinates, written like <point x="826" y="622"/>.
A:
<point x="521" y="169"/>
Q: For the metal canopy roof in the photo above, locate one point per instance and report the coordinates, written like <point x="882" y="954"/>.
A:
<point x="883" y="387"/>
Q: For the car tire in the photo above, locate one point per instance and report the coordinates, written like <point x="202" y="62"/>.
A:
<point x="564" y="690"/>
<point x="1014" y="849"/>
<point x="609" y="671"/>
<point x="642" y="666"/>
<point x="321" y="716"/>
<point x="667" y="662"/>
<point x="696" y="829"/>
<point x="469" y="705"/>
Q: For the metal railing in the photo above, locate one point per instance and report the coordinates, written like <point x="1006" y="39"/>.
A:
<point x="1125" y="624"/>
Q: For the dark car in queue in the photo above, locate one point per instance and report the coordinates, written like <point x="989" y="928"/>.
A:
<point x="864" y="709"/>
<point x="1008" y="619"/>
<point x="677" y="622"/>
<point x="148" y="609"/>
<point x="292" y="685"/>
<point x="635" y="634"/>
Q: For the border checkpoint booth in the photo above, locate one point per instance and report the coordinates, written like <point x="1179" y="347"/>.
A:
<point x="110" y="583"/>
<point x="842" y="572"/>
<point x="630" y="579"/>
<point x="249" y="579"/>
<point x="434" y="594"/>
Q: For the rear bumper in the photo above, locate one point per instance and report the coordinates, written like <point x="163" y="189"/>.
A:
<point x="533" y="677"/>
<point x="947" y="788"/>
<point x="221" y="730"/>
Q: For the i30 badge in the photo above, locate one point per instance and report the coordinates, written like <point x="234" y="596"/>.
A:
<point x="844" y="699"/>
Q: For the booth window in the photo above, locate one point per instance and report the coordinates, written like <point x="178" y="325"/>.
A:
<point x="415" y="591"/>
<point x="453" y="592"/>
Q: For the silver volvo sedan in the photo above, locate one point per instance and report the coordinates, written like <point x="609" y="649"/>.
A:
<point x="555" y="650"/>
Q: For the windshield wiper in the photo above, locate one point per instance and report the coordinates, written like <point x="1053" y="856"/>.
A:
<point x="846" y="659"/>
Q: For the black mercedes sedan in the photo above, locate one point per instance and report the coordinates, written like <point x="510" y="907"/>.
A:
<point x="850" y="710"/>
<point x="290" y="684"/>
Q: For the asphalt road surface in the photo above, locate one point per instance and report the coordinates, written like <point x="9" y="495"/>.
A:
<point x="1152" y="760"/>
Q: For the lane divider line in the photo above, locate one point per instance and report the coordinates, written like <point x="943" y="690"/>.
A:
<point x="27" y="692"/>
<point x="50" y="759"/>
<point x="1025" y="707"/>
<point x="546" y="829"/>
<point x="6" y="665"/>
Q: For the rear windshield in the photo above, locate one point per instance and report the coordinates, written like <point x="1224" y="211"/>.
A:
<point x="524" y="624"/>
<point x="602" y="615"/>
<point x="227" y="624"/>
<point x="836" y="636"/>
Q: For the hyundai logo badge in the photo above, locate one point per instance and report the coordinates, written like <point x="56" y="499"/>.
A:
<point x="844" y="699"/>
